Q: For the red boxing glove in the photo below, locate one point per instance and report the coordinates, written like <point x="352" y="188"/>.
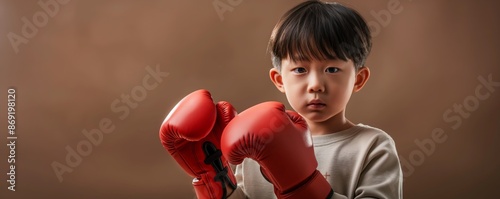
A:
<point x="191" y="133"/>
<point x="280" y="143"/>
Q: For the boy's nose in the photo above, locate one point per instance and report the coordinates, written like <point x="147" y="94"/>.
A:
<point x="316" y="84"/>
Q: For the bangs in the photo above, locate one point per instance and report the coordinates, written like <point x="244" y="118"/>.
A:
<point x="313" y="31"/>
<point x="305" y="41"/>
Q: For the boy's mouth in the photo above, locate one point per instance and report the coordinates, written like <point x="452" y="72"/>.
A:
<point x="316" y="104"/>
<point x="316" y="101"/>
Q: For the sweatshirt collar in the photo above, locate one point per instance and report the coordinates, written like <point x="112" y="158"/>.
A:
<point x="319" y="140"/>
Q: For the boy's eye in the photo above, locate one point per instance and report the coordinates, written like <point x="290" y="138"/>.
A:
<point x="299" y="70"/>
<point x="332" y="70"/>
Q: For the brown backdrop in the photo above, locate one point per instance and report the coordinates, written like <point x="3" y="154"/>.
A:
<point x="70" y="74"/>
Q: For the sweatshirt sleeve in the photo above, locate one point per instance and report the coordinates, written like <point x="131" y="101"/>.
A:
<point x="338" y="196"/>
<point x="381" y="176"/>
<point x="238" y="193"/>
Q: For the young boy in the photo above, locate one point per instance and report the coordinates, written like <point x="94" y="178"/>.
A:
<point x="318" y="51"/>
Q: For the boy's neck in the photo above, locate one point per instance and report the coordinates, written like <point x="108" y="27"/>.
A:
<point x="334" y="124"/>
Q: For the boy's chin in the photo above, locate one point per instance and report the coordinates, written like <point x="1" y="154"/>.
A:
<point x="316" y="117"/>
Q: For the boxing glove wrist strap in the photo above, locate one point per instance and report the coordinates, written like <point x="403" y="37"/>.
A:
<point x="315" y="187"/>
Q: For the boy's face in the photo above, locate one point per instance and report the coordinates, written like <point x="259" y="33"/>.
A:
<point x="318" y="90"/>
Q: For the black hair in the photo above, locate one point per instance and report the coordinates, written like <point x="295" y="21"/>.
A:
<point x="322" y="31"/>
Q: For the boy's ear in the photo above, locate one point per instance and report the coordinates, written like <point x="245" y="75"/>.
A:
<point x="277" y="79"/>
<point x="362" y="77"/>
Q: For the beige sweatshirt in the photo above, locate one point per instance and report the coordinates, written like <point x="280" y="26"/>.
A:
<point x="359" y="162"/>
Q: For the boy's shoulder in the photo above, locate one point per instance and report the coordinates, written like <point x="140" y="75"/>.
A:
<point x="368" y="128"/>
<point x="373" y="133"/>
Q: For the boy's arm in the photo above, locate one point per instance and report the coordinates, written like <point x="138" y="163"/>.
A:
<point x="238" y="192"/>
<point x="276" y="139"/>
<point x="382" y="176"/>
